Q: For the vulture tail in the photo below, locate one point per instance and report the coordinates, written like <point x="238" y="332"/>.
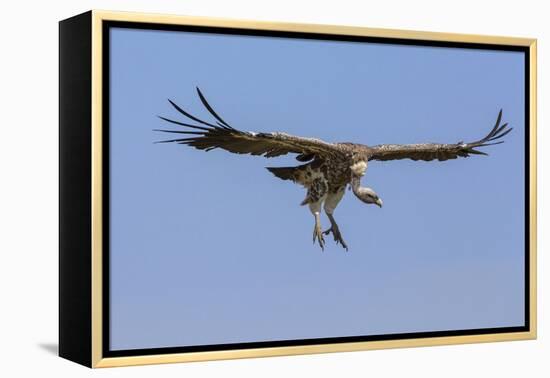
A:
<point x="284" y="173"/>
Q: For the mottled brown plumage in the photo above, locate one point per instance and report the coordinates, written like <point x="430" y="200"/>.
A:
<point x="328" y="168"/>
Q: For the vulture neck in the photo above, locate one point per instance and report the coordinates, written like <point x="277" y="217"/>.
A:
<point x="361" y="192"/>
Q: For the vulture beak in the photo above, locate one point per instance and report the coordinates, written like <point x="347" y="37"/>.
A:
<point x="379" y="202"/>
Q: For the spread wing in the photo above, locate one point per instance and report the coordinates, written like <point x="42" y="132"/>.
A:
<point x="441" y="152"/>
<point x="208" y="136"/>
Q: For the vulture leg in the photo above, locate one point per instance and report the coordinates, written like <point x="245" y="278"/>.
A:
<point x="335" y="232"/>
<point x="316" y="194"/>
<point x="317" y="231"/>
<point x="330" y="204"/>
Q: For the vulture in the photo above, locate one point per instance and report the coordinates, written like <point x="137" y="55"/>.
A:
<point x="328" y="168"/>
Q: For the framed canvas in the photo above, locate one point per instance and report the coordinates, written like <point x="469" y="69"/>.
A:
<point x="176" y="244"/>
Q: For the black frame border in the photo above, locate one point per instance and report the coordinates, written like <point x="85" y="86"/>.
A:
<point x="107" y="25"/>
<point x="75" y="197"/>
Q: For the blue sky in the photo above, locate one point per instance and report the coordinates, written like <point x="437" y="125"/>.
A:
<point x="210" y="248"/>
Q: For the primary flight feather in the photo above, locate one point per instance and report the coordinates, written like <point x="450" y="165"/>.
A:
<point x="328" y="168"/>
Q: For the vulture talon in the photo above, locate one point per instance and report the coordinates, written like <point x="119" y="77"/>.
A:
<point x="318" y="236"/>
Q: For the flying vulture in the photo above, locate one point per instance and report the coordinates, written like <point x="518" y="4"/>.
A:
<point x="328" y="167"/>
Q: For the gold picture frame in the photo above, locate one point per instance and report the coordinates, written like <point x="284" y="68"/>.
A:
<point x="82" y="276"/>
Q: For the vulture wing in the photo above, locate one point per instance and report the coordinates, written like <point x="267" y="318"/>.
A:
<point x="441" y="152"/>
<point x="208" y="136"/>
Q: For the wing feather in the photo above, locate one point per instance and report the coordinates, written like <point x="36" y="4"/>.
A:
<point x="210" y="136"/>
<point x="439" y="151"/>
